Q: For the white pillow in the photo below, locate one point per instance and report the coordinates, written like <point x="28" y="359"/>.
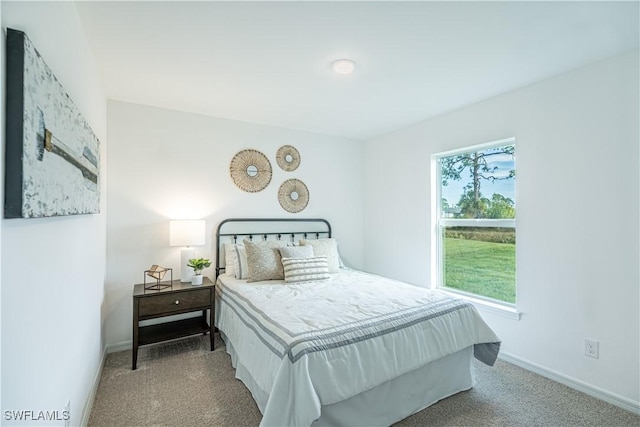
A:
<point x="264" y="260"/>
<point x="235" y="260"/>
<point x="230" y="258"/>
<point x="302" y="270"/>
<point x="325" y="247"/>
<point x="297" y="252"/>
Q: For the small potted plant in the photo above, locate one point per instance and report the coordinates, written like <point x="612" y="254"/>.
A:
<point x="198" y="264"/>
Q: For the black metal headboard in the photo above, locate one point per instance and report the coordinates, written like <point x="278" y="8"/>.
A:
<point x="278" y="228"/>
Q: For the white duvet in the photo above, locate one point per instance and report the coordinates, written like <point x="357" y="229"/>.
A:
<point x="319" y="343"/>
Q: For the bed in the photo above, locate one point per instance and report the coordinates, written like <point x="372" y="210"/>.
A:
<point x="317" y="343"/>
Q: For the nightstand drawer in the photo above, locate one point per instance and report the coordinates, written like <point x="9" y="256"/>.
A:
<point x="174" y="302"/>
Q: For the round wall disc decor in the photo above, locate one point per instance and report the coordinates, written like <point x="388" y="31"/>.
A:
<point x="250" y="170"/>
<point x="288" y="158"/>
<point x="293" y="195"/>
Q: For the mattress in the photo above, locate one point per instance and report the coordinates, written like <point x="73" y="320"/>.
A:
<point x="303" y="347"/>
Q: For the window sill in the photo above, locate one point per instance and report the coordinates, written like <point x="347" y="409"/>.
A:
<point x="503" y="310"/>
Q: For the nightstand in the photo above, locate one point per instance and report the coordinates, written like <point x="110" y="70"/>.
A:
<point x="179" y="298"/>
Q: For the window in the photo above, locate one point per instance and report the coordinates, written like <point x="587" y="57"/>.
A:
<point x="475" y="226"/>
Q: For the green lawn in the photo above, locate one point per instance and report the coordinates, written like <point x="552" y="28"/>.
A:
<point x="482" y="268"/>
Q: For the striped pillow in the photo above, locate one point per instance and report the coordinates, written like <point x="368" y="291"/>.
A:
<point x="240" y="264"/>
<point x="301" y="270"/>
<point x="235" y="260"/>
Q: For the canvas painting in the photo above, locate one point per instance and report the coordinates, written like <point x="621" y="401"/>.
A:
<point x="52" y="155"/>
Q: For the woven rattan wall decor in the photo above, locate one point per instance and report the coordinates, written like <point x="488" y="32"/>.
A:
<point x="250" y="170"/>
<point x="288" y="158"/>
<point x="293" y="195"/>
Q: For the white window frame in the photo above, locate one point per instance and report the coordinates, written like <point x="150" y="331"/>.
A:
<point x="437" y="222"/>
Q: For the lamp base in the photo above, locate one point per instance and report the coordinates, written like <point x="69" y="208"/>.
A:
<point x="186" y="273"/>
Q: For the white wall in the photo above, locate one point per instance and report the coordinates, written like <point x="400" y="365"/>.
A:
<point x="577" y="216"/>
<point x="166" y="165"/>
<point x="53" y="269"/>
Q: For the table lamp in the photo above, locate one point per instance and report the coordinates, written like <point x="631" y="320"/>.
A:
<point x="186" y="233"/>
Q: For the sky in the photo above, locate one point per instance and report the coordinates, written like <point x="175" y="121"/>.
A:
<point x="504" y="162"/>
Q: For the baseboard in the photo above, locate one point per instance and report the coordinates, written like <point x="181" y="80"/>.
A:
<point x="119" y="346"/>
<point x="112" y="348"/>
<point x="86" y="413"/>
<point x="593" y="391"/>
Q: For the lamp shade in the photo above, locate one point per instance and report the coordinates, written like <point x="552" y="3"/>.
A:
<point x="186" y="233"/>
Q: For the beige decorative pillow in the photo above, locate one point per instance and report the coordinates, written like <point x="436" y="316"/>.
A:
<point x="325" y="247"/>
<point x="263" y="260"/>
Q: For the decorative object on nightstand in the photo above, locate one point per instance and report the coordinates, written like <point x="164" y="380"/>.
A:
<point x="156" y="272"/>
<point x="293" y="195"/>
<point x="250" y="170"/>
<point x="288" y="158"/>
<point x="186" y="233"/>
<point x="198" y="264"/>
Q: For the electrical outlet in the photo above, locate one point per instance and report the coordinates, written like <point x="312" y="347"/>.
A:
<point x="591" y="348"/>
<point x="67" y="414"/>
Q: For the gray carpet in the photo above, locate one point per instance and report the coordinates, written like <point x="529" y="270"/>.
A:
<point x="181" y="383"/>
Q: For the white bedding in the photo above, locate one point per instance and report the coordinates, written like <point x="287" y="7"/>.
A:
<point x="319" y="343"/>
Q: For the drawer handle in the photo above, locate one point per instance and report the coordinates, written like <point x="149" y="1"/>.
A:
<point x="177" y="302"/>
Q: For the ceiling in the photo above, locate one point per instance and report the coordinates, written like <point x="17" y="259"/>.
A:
<point x="270" y="62"/>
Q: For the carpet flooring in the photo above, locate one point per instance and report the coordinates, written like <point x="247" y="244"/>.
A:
<point x="181" y="383"/>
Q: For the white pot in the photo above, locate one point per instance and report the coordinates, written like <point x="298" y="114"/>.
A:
<point x="196" y="279"/>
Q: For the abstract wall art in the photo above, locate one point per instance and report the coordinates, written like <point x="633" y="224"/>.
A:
<point x="52" y="155"/>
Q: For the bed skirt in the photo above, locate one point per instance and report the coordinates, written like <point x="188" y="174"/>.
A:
<point x="389" y="402"/>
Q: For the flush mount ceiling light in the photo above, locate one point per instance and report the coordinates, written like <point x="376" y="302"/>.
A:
<point x="343" y="66"/>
